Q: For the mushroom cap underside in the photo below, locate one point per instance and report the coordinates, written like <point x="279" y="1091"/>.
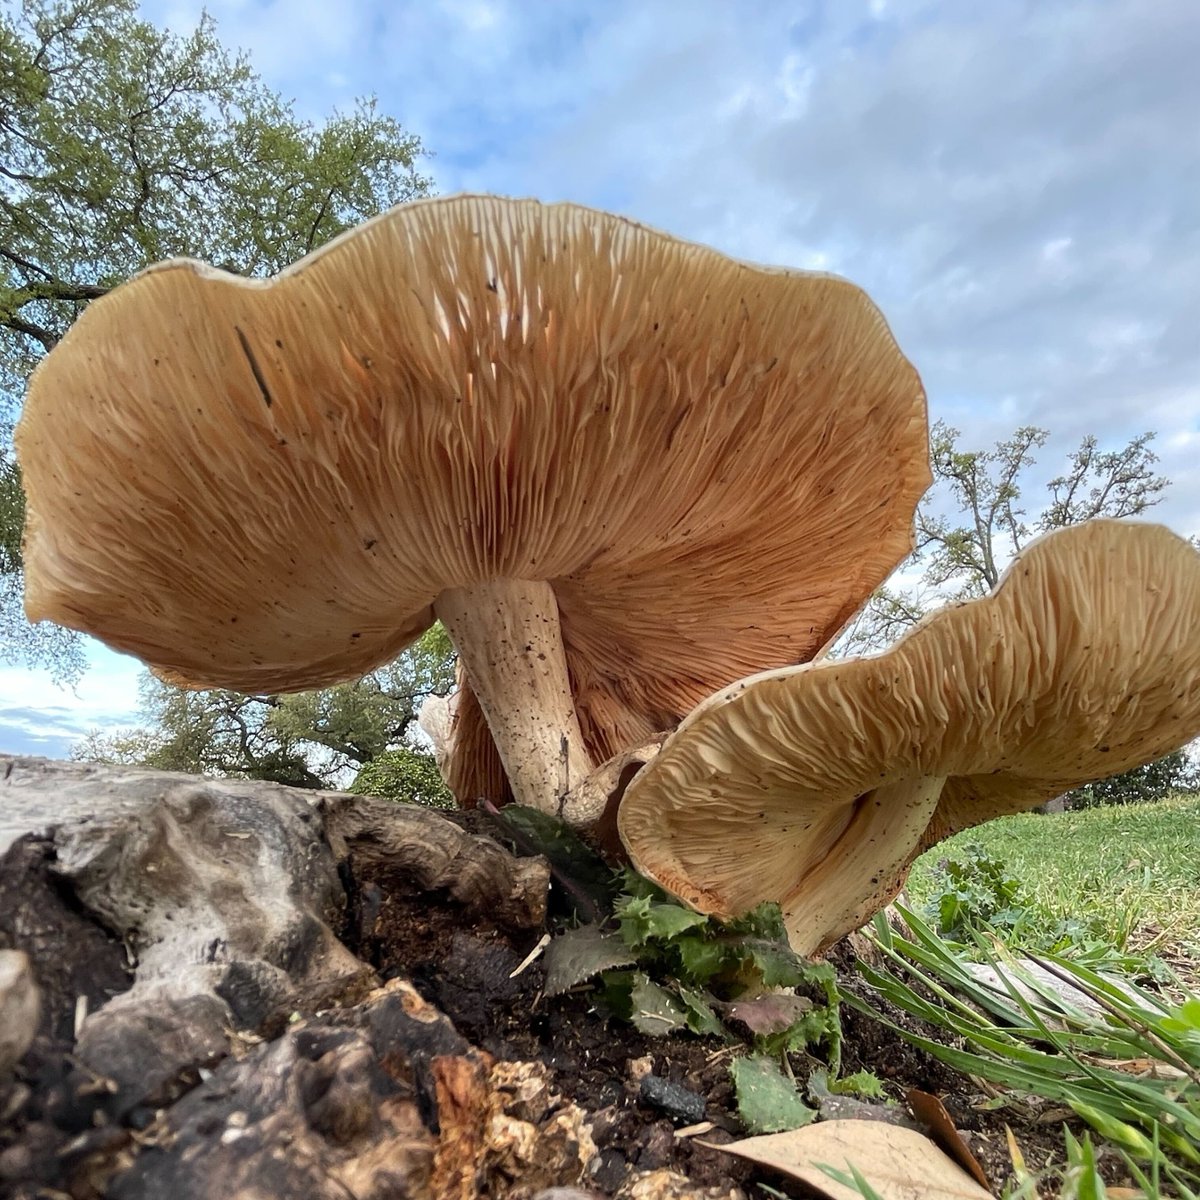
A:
<point x="1084" y="662"/>
<point x="264" y="485"/>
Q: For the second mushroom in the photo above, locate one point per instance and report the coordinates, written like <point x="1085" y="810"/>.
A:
<point x="817" y="786"/>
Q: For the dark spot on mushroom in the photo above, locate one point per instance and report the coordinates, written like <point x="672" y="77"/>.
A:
<point x="254" y="367"/>
<point x="369" y="543"/>
<point x="356" y="635"/>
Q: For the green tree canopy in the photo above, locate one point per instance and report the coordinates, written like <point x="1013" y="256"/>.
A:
<point x="404" y="774"/>
<point x="309" y="739"/>
<point x="122" y="144"/>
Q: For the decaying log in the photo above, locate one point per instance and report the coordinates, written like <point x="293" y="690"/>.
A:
<point x="170" y="923"/>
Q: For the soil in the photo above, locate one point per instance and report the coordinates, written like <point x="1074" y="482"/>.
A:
<point x="598" y="1063"/>
<point x="50" y="1121"/>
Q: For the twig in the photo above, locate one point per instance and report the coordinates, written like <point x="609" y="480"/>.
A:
<point x="531" y="957"/>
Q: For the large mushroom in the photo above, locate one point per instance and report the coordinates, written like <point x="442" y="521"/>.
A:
<point x="816" y="786"/>
<point x="621" y="469"/>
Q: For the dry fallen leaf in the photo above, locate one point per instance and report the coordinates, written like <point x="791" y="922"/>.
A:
<point x="899" y="1163"/>
<point x="927" y="1108"/>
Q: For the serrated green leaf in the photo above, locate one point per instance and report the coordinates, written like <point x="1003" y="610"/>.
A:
<point x="763" y="921"/>
<point x="653" y="1010"/>
<point x="581" y="954"/>
<point x="776" y="963"/>
<point x="861" y="1083"/>
<point x="616" y="994"/>
<point x="633" y="914"/>
<point x="701" y="1017"/>
<point x="767" y="1100"/>
<point x="699" y="958"/>
<point x="667" y="921"/>
<point x="809" y="1030"/>
<point x="644" y="920"/>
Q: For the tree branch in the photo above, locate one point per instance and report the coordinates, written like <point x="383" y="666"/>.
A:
<point x="13" y="322"/>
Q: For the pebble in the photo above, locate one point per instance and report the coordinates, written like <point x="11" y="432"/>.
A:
<point x="680" y="1103"/>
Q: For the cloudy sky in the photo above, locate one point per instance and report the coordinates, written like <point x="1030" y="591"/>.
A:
<point x="1016" y="184"/>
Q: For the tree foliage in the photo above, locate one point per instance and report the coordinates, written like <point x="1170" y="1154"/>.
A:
<point x="1175" y="773"/>
<point x="404" y="774"/>
<point x="308" y="739"/>
<point x="976" y="517"/>
<point x="122" y="144"/>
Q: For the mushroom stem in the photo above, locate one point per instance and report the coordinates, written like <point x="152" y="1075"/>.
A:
<point x="508" y="636"/>
<point x="870" y="858"/>
<point x="594" y="799"/>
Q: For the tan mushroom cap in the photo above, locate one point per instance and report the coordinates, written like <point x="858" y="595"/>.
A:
<point x="816" y="786"/>
<point x="265" y="485"/>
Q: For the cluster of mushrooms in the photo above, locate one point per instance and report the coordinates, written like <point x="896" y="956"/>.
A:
<point x="644" y="487"/>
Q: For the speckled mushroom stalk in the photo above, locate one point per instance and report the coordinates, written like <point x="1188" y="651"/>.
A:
<point x="509" y="639"/>
<point x="873" y="855"/>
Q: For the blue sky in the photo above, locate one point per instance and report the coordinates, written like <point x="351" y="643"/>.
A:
<point x="1016" y="184"/>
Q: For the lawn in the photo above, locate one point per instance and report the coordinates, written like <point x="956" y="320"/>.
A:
<point x="1132" y="872"/>
<point x="1126" y="881"/>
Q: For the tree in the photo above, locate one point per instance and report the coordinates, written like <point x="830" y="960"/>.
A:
<point x="1172" y="774"/>
<point x="122" y="144"/>
<point x="45" y="645"/>
<point x="404" y="774"/>
<point x="962" y="556"/>
<point x="309" y="739"/>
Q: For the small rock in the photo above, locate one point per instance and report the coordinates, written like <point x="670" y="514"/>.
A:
<point x="680" y="1103"/>
<point x="610" y="1170"/>
<point x="657" y="1146"/>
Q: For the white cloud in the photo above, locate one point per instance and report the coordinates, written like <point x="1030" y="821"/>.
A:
<point x="39" y="716"/>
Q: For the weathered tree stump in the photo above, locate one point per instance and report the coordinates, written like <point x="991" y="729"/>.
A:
<point x="184" y="935"/>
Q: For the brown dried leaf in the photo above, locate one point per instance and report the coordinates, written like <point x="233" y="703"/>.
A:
<point x="899" y="1163"/>
<point x="928" y="1109"/>
<point x="772" y="1013"/>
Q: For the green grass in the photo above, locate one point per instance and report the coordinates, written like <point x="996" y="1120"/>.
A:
<point x="1131" y="1070"/>
<point x="1131" y="873"/>
<point x="1113" y="889"/>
